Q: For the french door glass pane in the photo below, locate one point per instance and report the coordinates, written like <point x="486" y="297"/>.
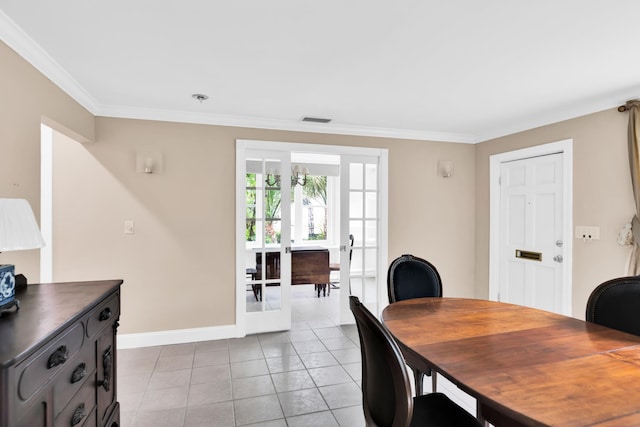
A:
<point x="370" y="264"/>
<point x="355" y="176"/>
<point x="356" y="261"/>
<point x="371" y="177"/>
<point x="356" y="228"/>
<point x="371" y="205"/>
<point x="371" y="233"/>
<point x="355" y="205"/>
<point x="357" y="287"/>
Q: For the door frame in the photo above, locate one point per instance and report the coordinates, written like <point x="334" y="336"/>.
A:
<point x="566" y="147"/>
<point x="242" y="145"/>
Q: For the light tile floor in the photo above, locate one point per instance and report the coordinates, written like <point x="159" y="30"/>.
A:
<point x="308" y="376"/>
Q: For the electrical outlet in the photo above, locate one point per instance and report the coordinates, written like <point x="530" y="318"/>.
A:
<point x="129" y="227"/>
<point x="587" y="233"/>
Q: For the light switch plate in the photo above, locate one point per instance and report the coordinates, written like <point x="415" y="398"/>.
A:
<point x="129" y="227"/>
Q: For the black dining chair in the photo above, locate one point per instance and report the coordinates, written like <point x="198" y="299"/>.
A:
<point x="413" y="277"/>
<point x="616" y="304"/>
<point x="386" y="387"/>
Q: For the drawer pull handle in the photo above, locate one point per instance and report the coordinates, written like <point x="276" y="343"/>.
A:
<point x="58" y="357"/>
<point x="78" y="415"/>
<point x="105" y="314"/>
<point x="79" y="373"/>
<point x="106" y="370"/>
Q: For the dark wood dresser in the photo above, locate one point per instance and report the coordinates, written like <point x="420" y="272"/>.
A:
<point x="58" y="356"/>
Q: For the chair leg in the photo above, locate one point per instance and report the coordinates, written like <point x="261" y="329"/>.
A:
<point x="418" y="376"/>
<point x="257" y="291"/>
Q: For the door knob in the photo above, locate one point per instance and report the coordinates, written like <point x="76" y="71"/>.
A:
<point x="557" y="258"/>
<point x="559" y="243"/>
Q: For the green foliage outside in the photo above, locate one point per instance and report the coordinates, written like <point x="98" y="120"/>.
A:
<point x="315" y="188"/>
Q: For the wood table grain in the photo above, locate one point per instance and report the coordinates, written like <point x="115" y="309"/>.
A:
<point x="524" y="366"/>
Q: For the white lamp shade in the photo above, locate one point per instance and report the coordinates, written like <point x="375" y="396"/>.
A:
<point x="18" y="227"/>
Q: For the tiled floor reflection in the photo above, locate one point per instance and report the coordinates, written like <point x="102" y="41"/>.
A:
<point x="308" y="376"/>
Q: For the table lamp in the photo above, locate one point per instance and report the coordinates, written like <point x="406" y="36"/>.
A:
<point x="18" y="231"/>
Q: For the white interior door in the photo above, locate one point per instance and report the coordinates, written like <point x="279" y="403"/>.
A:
<point x="267" y="235"/>
<point x="360" y="216"/>
<point x="531" y="232"/>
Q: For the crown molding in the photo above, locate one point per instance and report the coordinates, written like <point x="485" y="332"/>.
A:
<point x="25" y="46"/>
<point x="276" y="124"/>
<point x="570" y="111"/>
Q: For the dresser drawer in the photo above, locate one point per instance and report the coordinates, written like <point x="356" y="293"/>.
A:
<point x="103" y="315"/>
<point x="73" y="376"/>
<point x="41" y="367"/>
<point x="79" y="409"/>
<point x="33" y="416"/>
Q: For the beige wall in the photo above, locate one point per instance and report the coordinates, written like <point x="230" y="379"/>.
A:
<point x="179" y="266"/>
<point x="27" y="98"/>
<point x="602" y="196"/>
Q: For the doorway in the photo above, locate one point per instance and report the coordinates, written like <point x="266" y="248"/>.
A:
<point x="530" y="226"/>
<point x="357" y="207"/>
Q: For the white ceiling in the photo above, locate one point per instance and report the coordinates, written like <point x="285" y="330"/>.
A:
<point x="451" y="70"/>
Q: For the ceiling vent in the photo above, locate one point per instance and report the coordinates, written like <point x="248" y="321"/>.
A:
<point x="315" y="120"/>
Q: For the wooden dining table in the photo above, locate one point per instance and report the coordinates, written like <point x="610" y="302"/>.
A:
<point x="525" y="367"/>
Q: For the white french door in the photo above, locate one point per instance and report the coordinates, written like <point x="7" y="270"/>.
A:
<point x="267" y="234"/>
<point x="360" y="216"/>
<point x="263" y="297"/>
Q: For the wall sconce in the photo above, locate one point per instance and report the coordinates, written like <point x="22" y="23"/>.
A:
<point x="445" y="168"/>
<point x="273" y="177"/>
<point x="148" y="162"/>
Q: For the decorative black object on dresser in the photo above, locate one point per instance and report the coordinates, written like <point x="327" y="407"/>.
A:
<point x="58" y="356"/>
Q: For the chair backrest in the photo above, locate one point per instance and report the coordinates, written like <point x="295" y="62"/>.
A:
<point x="386" y="389"/>
<point x="351" y="239"/>
<point x="616" y="304"/>
<point x="412" y="277"/>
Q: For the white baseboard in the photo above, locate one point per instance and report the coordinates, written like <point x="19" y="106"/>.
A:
<point x="178" y="336"/>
